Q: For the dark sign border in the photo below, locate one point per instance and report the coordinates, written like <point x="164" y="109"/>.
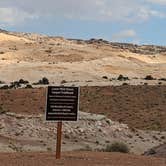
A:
<point x="47" y="101"/>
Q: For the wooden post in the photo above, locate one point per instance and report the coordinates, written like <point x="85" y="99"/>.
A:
<point x="59" y="138"/>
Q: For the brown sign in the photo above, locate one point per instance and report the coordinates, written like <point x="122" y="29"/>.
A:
<point x="62" y="103"/>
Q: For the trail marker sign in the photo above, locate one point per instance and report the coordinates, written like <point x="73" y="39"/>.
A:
<point x="62" y="103"/>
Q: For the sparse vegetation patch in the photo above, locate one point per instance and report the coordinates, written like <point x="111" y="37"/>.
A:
<point x="122" y="78"/>
<point x="117" y="147"/>
<point x="43" y="81"/>
<point x="149" y="77"/>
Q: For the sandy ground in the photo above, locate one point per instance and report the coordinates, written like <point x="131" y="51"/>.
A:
<point x="78" y="159"/>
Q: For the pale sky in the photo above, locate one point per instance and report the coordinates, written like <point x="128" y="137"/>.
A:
<point x="136" y="21"/>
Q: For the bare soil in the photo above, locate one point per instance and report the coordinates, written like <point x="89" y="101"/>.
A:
<point x="78" y="159"/>
<point x="141" y="107"/>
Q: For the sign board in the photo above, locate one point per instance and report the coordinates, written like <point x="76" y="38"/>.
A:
<point x="62" y="103"/>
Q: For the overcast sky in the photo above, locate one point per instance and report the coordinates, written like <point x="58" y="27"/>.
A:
<point x="136" y="21"/>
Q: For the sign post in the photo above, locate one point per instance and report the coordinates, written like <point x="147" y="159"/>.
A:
<point x="62" y="105"/>
<point x="59" y="138"/>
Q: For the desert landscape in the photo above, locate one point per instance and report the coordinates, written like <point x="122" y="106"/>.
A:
<point x="32" y="56"/>
<point x="122" y="100"/>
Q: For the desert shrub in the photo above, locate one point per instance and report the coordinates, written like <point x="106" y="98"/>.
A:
<point x="162" y="79"/>
<point x="122" y="78"/>
<point x="21" y="81"/>
<point x="4" y="87"/>
<point x="49" y="149"/>
<point x="2" y="111"/>
<point x="117" y="147"/>
<point x="28" y="86"/>
<point x="3" y="59"/>
<point x="105" y="77"/>
<point x="156" y="125"/>
<point x="1" y="52"/>
<point x="149" y="77"/>
<point x="48" y="51"/>
<point x="86" y="148"/>
<point x="43" y="81"/>
<point x="112" y="79"/>
<point x="2" y="82"/>
<point x="14" y="85"/>
<point x="125" y="84"/>
<point x="63" y="81"/>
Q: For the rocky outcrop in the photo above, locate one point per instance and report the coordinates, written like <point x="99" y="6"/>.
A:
<point x="140" y="49"/>
<point x="134" y="48"/>
<point x="3" y="31"/>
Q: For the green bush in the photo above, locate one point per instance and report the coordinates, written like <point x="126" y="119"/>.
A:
<point x="117" y="147"/>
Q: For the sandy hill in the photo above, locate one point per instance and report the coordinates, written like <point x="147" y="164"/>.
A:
<point x="32" y="56"/>
<point x="10" y="38"/>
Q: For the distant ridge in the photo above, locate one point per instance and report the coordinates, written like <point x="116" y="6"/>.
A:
<point x="133" y="48"/>
<point x="3" y="31"/>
